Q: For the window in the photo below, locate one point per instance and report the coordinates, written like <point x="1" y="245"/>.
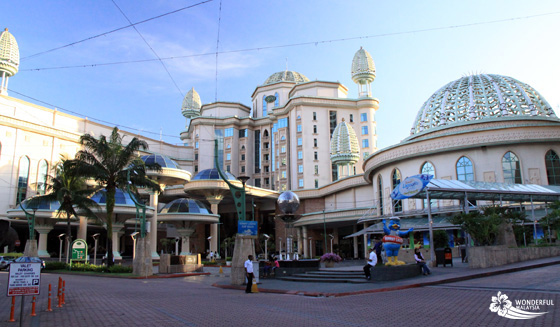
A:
<point x="283" y="174"/>
<point x="242" y="157"/>
<point x="363" y="116"/>
<point x="228" y="168"/>
<point x="266" y="157"/>
<point x="228" y="146"/>
<point x="351" y="118"/>
<point x="228" y="156"/>
<point x="299" y="128"/>
<point x="465" y="169"/>
<point x="365" y="143"/>
<point x="316" y="169"/>
<point x="276" y="100"/>
<point x="196" y="168"/>
<point x="365" y="130"/>
<point x="299" y="141"/>
<point x="366" y="154"/>
<point x="428" y="168"/>
<point x="380" y="194"/>
<point x="243" y="133"/>
<point x="282" y="122"/>
<point x="552" y="162"/>
<point x="23" y="175"/>
<point x="196" y="156"/>
<point x="228" y="132"/>
<point x="283" y="138"/>
<point x="396" y="180"/>
<point x="511" y="168"/>
<point x="283" y="161"/>
<point x="266" y="145"/>
<point x="316" y="183"/>
<point x="266" y="169"/>
<point x="257" y="182"/>
<point x="242" y="169"/>
<point x="264" y="106"/>
<point x="300" y="169"/>
<point x="300" y="182"/>
<point x="42" y="174"/>
<point x="314" y="115"/>
<point x="196" y="145"/>
<point x="300" y="155"/>
<point x="332" y="121"/>
<point x="315" y="142"/>
<point x="315" y="155"/>
<point x="283" y="149"/>
<point x="314" y="129"/>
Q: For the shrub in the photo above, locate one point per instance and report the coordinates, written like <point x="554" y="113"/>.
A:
<point x="118" y="269"/>
<point x="331" y="257"/>
<point x="55" y="265"/>
<point x="441" y="239"/>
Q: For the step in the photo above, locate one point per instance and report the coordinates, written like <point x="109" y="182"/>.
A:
<point x="325" y="280"/>
<point x="334" y="273"/>
<point x="345" y="276"/>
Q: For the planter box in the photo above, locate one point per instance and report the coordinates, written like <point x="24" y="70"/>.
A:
<point x="492" y="256"/>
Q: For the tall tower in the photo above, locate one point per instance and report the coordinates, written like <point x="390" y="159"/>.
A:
<point x="9" y="59"/>
<point x="345" y="151"/>
<point x="190" y="109"/>
<point x="363" y="72"/>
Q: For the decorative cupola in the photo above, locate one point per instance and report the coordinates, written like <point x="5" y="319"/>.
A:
<point x="345" y="151"/>
<point x="9" y="59"/>
<point x="363" y="72"/>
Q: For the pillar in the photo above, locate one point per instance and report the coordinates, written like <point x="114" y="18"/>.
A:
<point x="214" y="200"/>
<point x="82" y="229"/>
<point x="299" y="242"/>
<point x="185" y="234"/>
<point x="152" y="233"/>
<point x="305" y="242"/>
<point x="43" y="231"/>
<point x="355" y="241"/>
<point x="366" y="252"/>
<point x="117" y="233"/>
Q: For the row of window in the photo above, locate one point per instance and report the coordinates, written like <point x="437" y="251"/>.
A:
<point x="23" y="177"/>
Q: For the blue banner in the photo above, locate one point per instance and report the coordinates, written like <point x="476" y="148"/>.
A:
<point x="411" y="186"/>
<point x="247" y="228"/>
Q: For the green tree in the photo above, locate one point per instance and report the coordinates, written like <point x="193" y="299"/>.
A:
<point x="107" y="161"/>
<point x="71" y="192"/>
<point x="552" y="219"/>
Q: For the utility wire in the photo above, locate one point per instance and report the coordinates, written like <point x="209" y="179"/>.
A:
<point x="152" y="49"/>
<point x="117" y="29"/>
<point x="304" y="43"/>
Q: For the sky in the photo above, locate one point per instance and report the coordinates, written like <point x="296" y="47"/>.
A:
<point x="417" y="47"/>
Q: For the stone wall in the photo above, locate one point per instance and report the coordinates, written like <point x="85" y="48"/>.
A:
<point x="492" y="256"/>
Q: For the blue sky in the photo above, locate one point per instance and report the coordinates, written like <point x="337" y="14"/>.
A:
<point x="410" y="66"/>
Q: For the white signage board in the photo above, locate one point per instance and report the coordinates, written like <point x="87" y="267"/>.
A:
<point x="25" y="278"/>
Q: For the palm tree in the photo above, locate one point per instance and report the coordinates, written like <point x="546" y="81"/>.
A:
<point x="71" y="193"/>
<point x="107" y="162"/>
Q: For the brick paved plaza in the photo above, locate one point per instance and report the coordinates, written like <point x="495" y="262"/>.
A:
<point x="193" y="301"/>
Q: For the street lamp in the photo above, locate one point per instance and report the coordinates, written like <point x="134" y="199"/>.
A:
<point x="177" y="245"/>
<point x="280" y="252"/>
<point x="310" y="248"/>
<point x="331" y="236"/>
<point x="60" y="250"/>
<point x="133" y="235"/>
<point x="95" y="237"/>
<point x="209" y="245"/>
<point x="266" y="237"/>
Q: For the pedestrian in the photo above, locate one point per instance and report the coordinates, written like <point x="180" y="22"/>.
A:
<point x="372" y="261"/>
<point x="249" y="273"/>
<point x="421" y="262"/>
<point x="378" y="248"/>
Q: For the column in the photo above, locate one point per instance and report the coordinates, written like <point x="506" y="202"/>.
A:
<point x="305" y="242"/>
<point x="299" y="243"/>
<point x="355" y="241"/>
<point x="154" y="199"/>
<point x="43" y="231"/>
<point x="366" y="252"/>
<point x="117" y="233"/>
<point x="185" y="234"/>
<point x="82" y="230"/>
<point x="214" y="200"/>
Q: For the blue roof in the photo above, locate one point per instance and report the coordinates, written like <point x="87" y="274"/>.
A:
<point x="44" y="205"/>
<point x="185" y="205"/>
<point x="212" y="174"/>
<point x="121" y="197"/>
<point x="163" y="161"/>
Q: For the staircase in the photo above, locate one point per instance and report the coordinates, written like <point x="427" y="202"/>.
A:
<point x="355" y="276"/>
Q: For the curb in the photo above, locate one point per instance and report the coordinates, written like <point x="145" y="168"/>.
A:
<point x="395" y="288"/>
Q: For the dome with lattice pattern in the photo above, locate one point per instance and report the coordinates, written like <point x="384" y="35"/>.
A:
<point x="286" y="76"/>
<point x="9" y="53"/>
<point x="344" y="145"/>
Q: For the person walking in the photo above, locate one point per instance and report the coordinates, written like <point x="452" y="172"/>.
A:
<point x="249" y="273"/>
<point x="372" y="261"/>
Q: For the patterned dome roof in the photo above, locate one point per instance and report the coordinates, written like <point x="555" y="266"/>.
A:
<point x="480" y="97"/>
<point x="163" y="161"/>
<point x="212" y="174"/>
<point x="191" y="104"/>
<point x="344" y="145"/>
<point x="121" y="197"/>
<point x="363" y="67"/>
<point x="185" y="205"/>
<point x="286" y="76"/>
<point x="9" y="53"/>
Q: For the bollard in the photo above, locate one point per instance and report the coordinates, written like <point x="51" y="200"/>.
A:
<point x="63" y="289"/>
<point x="13" y="309"/>
<point x="221" y="270"/>
<point x="59" y="293"/>
<point x="49" y="306"/>
<point x="33" y="314"/>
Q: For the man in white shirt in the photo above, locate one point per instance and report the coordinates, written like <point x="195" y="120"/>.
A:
<point x="249" y="273"/>
<point x="372" y="261"/>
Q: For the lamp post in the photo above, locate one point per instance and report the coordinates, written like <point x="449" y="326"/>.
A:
<point x="209" y="238"/>
<point x="310" y="248"/>
<point x="266" y="237"/>
<point x="60" y="249"/>
<point x="133" y="235"/>
<point x="331" y="236"/>
<point x="244" y="180"/>
<point x="177" y="245"/>
<point x="95" y="237"/>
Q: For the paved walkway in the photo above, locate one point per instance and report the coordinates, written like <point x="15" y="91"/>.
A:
<point x="440" y="275"/>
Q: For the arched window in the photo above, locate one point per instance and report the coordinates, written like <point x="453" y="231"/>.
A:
<point x="396" y="180"/>
<point x="264" y="106"/>
<point x="511" y="168"/>
<point x="276" y="100"/>
<point x="380" y="194"/>
<point x="42" y="173"/>
<point x="552" y="162"/>
<point x="265" y="134"/>
<point x="428" y="168"/>
<point x="465" y="170"/>
<point x="23" y="175"/>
